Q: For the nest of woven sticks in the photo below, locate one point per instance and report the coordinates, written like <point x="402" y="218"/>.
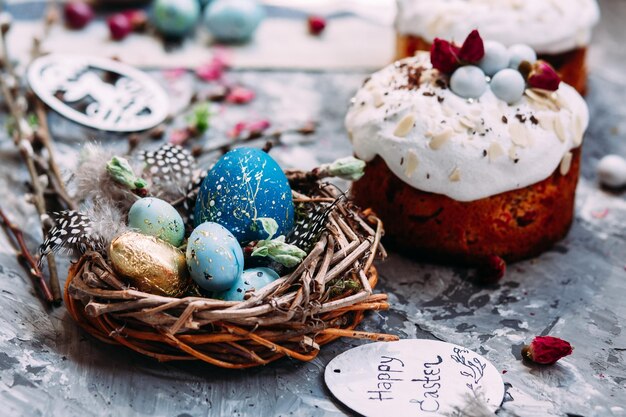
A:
<point x="324" y="298"/>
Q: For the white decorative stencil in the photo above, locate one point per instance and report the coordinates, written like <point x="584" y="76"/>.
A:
<point x="98" y="93"/>
<point x="413" y="378"/>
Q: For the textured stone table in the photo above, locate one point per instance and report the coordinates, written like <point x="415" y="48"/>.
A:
<point x="48" y="367"/>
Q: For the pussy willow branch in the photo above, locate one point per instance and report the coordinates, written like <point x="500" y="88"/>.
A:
<point x="23" y="141"/>
<point x="26" y="256"/>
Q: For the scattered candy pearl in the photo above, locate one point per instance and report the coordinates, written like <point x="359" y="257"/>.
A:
<point x="468" y="82"/>
<point x="77" y="14"/>
<point x="233" y="20"/>
<point x="612" y="171"/>
<point x="496" y="58"/>
<point x="520" y="52"/>
<point x="508" y="85"/>
<point x="119" y="26"/>
<point x="317" y="24"/>
<point x="175" y="18"/>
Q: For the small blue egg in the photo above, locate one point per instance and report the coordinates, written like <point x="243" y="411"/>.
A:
<point x="244" y="185"/>
<point x="175" y="18"/>
<point x="496" y="58"/>
<point x="253" y="278"/>
<point x="468" y="82"/>
<point x="155" y="217"/>
<point x="520" y="52"/>
<point x="214" y="257"/>
<point x="233" y="20"/>
<point x="508" y="85"/>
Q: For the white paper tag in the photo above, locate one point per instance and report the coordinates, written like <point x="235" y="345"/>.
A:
<point x="413" y="377"/>
<point x="77" y="87"/>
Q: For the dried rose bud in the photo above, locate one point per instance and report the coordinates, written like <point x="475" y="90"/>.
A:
<point x="240" y="95"/>
<point x="138" y="19"/>
<point x="77" y="14"/>
<point x="473" y="49"/>
<point x="119" y="26"/>
<point x="491" y="271"/>
<point x="317" y="24"/>
<point x="444" y="56"/>
<point x="543" y="76"/>
<point x="211" y="71"/>
<point x="546" y="350"/>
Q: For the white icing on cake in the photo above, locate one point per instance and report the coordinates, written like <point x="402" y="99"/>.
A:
<point x="462" y="148"/>
<point x="548" y="26"/>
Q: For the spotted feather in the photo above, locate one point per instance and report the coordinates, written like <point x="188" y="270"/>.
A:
<point x="193" y="188"/>
<point x="72" y="231"/>
<point x="168" y="163"/>
<point x="310" y="223"/>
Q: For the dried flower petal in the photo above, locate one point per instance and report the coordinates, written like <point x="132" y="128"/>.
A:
<point x="491" y="270"/>
<point x="316" y="24"/>
<point x="543" y="76"/>
<point x="179" y="137"/>
<point x="174" y="73"/>
<point x="240" y="95"/>
<point x="444" y="56"/>
<point x="473" y="48"/>
<point x="212" y="70"/>
<point x="546" y="350"/>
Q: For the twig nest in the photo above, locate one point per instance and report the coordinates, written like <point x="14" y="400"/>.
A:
<point x="252" y="279"/>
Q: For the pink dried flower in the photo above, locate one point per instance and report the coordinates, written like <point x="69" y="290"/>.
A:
<point x="240" y="95"/>
<point x="543" y="76"/>
<point x="444" y="56"/>
<point x="254" y="128"/>
<point x="546" y="350"/>
<point x="317" y="24"/>
<point x="174" y="73"/>
<point x="179" y="136"/>
<point x="473" y="49"/>
<point x="491" y="271"/>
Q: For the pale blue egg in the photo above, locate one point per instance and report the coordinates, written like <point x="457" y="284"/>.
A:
<point x="214" y="257"/>
<point x="175" y="18"/>
<point x="244" y="185"/>
<point x="233" y="20"/>
<point x="496" y="58"/>
<point x="155" y="217"/>
<point x="251" y="279"/>
<point x="520" y="52"/>
<point x="468" y="82"/>
<point x="508" y="85"/>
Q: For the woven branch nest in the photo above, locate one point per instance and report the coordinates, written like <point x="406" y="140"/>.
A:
<point x="293" y="316"/>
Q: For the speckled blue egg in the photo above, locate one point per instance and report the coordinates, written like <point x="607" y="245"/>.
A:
<point x="508" y="85"/>
<point x="214" y="257"/>
<point x="496" y="58"/>
<point x="155" y="217"/>
<point x="175" y="18"/>
<point x="244" y="185"/>
<point x="233" y="20"/>
<point x="253" y="278"/>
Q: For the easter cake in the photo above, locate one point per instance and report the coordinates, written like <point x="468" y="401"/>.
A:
<point x="236" y="266"/>
<point x="559" y="30"/>
<point x="461" y="166"/>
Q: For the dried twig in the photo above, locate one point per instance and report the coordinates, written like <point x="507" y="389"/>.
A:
<point x="26" y="256"/>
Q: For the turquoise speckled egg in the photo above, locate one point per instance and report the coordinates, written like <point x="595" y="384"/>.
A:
<point x="155" y="217"/>
<point x="214" y="257"/>
<point x="175" y="18"/>
<point x="253" y="278"/>
<point x="244" y="185"/>
<point x="233" y="20"/>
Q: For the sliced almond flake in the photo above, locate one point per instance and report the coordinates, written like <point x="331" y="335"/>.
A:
<point x="513" y="153"/>
<point x="405" y="125"/>
<point x="440" y="138"/>
<point x="541" y="98"/>
<point x="546" y="121"/>
<point x="495" y="151"/>
<point x="377" y="98"/>
<point x="559" y="129"/>
<point x="566" y="163"/>
<point x="519" y="135"/>
<point x="476" y="111"/>
<point x="410" y="163"/>
<point x="448" y="111"/>
<point x="467" y="122"/>
<point x="458" y="127"/>
<point x="455" y="176"/>
<point x="579" y="131"/>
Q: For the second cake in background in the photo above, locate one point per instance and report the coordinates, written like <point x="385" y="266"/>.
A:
<point x="558" y="30"/>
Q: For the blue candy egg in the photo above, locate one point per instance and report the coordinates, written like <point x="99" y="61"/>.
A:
<point x="246" y="184"/>
<point x="214" y="257"/>
<point x="155" y="217"/>
<point x="468" y="82"/>
<point x="508" y="85"/>
<point x="253" y="278"/>
<point x="233" y="20"/>
<point x="520" y="52"/>
<point x="175" y="18"/>
<point x="496" y="58"/>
